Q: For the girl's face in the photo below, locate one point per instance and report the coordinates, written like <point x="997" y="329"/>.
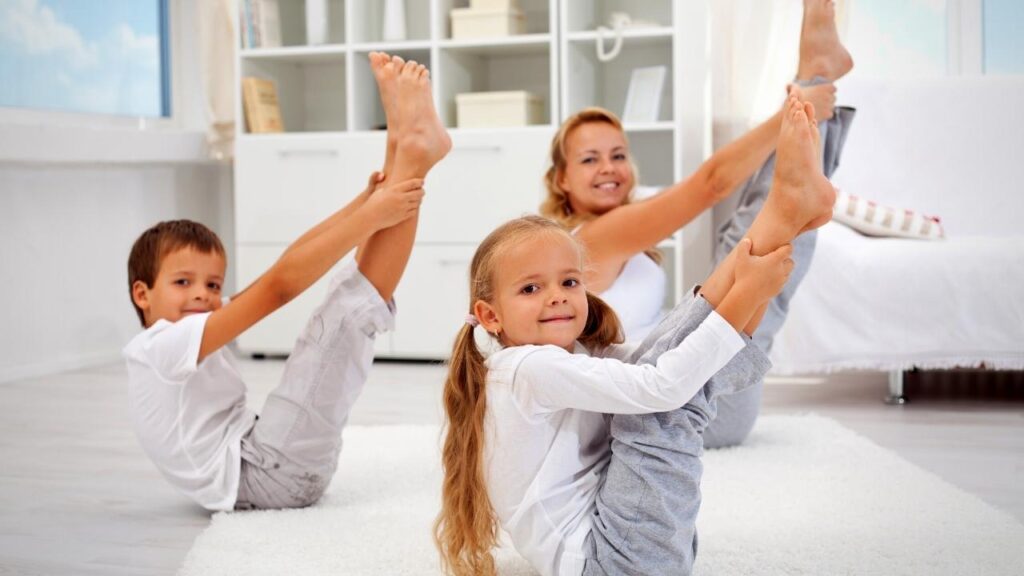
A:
<point x="539" y="296"/>
<point x="598" y="175"/>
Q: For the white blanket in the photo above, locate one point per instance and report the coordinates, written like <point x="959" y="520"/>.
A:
<point x="892" y="304"/>
<point x="803" y="496"/>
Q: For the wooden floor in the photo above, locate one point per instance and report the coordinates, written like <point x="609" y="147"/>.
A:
<point x="77" y="495"/>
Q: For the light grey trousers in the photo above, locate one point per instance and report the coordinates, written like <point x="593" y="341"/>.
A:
<point x="291" y="453"/>
<point x="646" y="509"/>
<point x="737" y="413"/>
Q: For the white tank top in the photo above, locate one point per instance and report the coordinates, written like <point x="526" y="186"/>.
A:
<point x="638" y="296"/>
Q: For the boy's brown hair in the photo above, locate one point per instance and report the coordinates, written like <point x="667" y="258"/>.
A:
<point x="155" y="244"/>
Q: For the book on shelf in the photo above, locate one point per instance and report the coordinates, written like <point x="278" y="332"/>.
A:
<point x="259" y="101"/>
<point x="259" y="23"/>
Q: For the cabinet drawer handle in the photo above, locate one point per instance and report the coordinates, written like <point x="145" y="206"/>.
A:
<point x="324" y="153"/>
<point x="479" y="148"/>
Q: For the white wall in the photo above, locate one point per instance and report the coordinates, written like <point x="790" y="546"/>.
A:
<point x="74" y="194"/>
<point x="65" y="235"/>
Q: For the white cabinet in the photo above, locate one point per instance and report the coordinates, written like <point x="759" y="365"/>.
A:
<point x="334" y="138"/>
<point x="432" y="301"/>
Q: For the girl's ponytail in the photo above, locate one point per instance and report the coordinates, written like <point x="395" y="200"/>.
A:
<point x="603" y="327"/>
<point x="466" y="529"/>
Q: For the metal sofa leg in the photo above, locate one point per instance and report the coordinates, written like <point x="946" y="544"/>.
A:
<point x="896" y="397"/>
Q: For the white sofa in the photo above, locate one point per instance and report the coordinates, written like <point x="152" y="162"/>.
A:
<point x="952" y="148"/>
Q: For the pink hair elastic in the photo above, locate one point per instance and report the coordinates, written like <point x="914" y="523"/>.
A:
<point x="472" y="320"/>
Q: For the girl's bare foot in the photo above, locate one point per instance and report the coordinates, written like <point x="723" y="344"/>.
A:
<point x="821" y="51"/>
<point x="422" y="139"/>
<point x="800" y="190"/>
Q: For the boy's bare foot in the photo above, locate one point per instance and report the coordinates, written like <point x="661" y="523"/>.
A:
<point x="821" y="51"/>
<point x="800" y="192"/>
<point x="385" y="71"/>
<point x="422" y="139"/>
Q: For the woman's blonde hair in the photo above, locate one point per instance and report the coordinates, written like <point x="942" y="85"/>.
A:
<point x="556" y="205"/>
<point x="466" y="529"/>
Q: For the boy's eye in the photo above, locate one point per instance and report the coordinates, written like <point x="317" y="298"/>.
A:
<point x="530" y="289"/>
<point x="181" y="282"/>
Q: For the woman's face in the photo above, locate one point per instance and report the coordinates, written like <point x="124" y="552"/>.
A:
<point x="598" y="175"/>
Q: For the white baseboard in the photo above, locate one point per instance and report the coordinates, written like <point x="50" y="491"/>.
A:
<point x="15" y="372"/>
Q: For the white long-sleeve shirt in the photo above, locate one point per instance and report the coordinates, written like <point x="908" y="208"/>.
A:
<point x="547" y="437"/>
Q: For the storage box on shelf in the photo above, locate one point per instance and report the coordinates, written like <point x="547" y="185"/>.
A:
<point x="487" y="22"/>
<point x="498" y="109"/>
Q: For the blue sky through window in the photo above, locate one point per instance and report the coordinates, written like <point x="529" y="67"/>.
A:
<point x="1004" y="42"/>
<point x="82" y="56"/>
<point x="898" y="39"/>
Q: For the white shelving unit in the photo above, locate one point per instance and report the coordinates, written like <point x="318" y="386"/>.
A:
<point x="334" y="138"/>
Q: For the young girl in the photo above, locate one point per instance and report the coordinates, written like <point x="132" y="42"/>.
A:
<point x="527" y="446"/>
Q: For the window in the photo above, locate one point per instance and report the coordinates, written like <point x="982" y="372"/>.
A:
<point x="109" y="57"/>
<point x="902" y="39"/>
<point x="1004" y="45"/>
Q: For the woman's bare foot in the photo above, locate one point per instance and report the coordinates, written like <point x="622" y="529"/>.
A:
<point x="800" y="190"/>
<point x="821" y="51"/>
<point x="422" y="139"/>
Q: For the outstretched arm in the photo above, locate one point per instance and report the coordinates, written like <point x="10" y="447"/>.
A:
<point x="309" y="258"/>
<point x="617" y="235"/>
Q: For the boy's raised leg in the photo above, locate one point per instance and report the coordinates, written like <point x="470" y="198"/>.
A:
<point x="420" y="141"/>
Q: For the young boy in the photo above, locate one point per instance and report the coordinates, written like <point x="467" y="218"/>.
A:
<point x="186" y="395"/>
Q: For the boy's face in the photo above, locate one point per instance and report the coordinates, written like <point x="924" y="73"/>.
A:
<point x="188" y="282"/>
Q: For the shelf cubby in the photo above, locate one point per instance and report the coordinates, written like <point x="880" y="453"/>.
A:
<point x="367" y="17"/>
<point x="590" y="82"/>
<point x="492" y="67"/>
<point x="537" y="14"/>
<point x="652" y="151"/>
<point x="310" y="88"/>
<point x="589" y="14"/>
<point x="293" y="22"/>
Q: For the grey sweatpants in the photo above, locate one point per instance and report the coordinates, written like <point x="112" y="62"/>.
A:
<point x="737" y="413"/>
<point x="290" y="455"/>
<point x="646" y="510"/>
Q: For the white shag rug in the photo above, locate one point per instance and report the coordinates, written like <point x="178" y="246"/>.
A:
<point x="802" y="496"/>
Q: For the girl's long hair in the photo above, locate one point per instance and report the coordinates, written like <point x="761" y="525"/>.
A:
<point x="556" y="204"/>
<point x="466" y="530"/>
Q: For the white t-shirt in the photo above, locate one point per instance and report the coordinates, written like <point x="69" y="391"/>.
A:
<point x="189" y="419"/>
<point x="547" y="437"/>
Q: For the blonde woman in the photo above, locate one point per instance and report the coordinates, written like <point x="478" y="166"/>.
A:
<point x="592" y="178"/>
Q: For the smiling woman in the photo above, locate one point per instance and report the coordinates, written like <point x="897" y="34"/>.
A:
<point x="68" y="56"/>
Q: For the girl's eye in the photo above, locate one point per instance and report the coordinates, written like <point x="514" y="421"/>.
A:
<point x="571" y="283"/>
<point x="530" y="289"/>
<point x="213" y="286"/>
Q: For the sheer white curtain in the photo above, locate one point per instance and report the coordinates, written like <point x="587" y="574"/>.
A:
<point x="218" y="41"/>
<point x="756" y="46"/>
